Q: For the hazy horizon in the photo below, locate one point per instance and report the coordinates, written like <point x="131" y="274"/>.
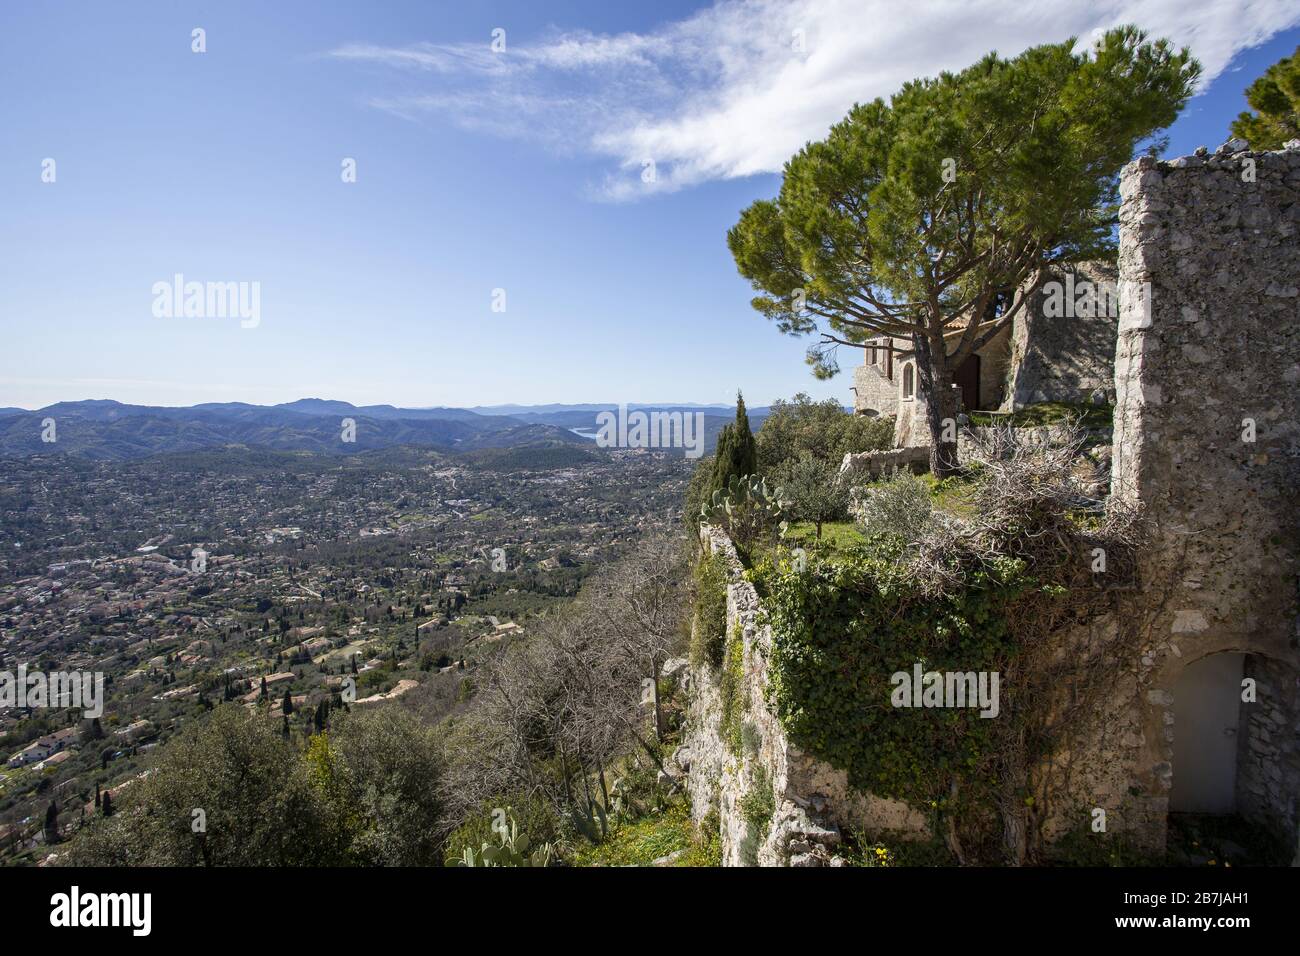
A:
<point x="470" y="408"/>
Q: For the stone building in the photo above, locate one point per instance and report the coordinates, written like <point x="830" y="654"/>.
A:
<point x="1059" y="348"/>
<point x="1207" y="441"/>
<point x="1206" y="378"/>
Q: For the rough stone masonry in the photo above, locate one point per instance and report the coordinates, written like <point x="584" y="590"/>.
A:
<point x="1207" y="442"/>
<point x="1207" y="439"/>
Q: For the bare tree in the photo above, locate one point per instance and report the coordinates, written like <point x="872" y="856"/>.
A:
<point x="558" y="708"/>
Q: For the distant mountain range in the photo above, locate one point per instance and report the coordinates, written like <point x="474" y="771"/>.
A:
<point x="109" y="430"/>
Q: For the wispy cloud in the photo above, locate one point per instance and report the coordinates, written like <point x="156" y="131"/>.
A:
<point x="735" y="89"/>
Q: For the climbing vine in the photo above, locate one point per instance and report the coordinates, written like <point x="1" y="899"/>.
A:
<point x="1007" y="590"/>
<point x="841" y="628"/>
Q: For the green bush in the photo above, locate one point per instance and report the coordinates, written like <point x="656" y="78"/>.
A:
<point x="813" y="490"/>
<point x="510" y="847"/>
<point x="894" y="512"/>
<point x="710" y="618"/>
<point x="748" y="510"/>
<point x="822" y="430"/>
<point x="756" y="808"/>
<point x="732" y="692"/>
<point x="841" y="628"/>
<point x="535" y="817"/>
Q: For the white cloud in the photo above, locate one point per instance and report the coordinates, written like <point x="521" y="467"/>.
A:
<point x="738" y="87"/>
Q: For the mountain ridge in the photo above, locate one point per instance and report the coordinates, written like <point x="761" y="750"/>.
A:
<point x="107" y="429"/>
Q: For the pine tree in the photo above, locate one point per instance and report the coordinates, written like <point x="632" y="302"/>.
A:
<point x="951" y="170"/>
<point x="1276" y="97"/>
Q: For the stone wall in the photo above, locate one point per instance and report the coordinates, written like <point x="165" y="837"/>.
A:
<point x="916" y="458"/>
<point x="873" y="393"/>
<point x="812" y="801"/>
<point x="1207" y="441"/>
<point x="1207" y="445"/>
<point x="1063" y="342"/>
<point x="1268" y="768"/>
<point x="995" y="367"/>
<point x="874" y="464"/>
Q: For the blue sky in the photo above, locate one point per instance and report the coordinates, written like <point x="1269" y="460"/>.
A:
<point x="477" y="170"/>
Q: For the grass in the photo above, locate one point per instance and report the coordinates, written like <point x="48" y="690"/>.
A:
<point x="1049" y="413"/>
<point x="641" y="842"/>
<point x="951" y="494"/>
<point x="838" y="535"/>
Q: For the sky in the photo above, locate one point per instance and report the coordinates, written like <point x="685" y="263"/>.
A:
<point x="542" y="189"/>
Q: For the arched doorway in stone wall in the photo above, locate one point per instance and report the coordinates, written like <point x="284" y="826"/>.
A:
<point x="1235" y="768"/>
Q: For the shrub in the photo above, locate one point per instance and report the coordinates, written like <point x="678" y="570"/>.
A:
<point x="509" y="848"/>
<point x="709" y="630"/>
<point x="841" y="629"/>
<point x="748" y="510"/>
<point x="259" y="805"/>
<point x="991" y="594"/>
<point x="821" y="430"/>
<point x="534" y="817"/>
<point x="894" y="512"/>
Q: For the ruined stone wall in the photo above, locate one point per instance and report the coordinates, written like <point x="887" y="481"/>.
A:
<point x="874" y="464"/>
<point x="995" y="368"/>
<point x="812" y="803"/>
<point x="873" y="393"/>
<point x="1268" y="769"/>
<point x="1062" y="346"/>
<point x="1207" y="444"/>
<point x="1207" y="441"/>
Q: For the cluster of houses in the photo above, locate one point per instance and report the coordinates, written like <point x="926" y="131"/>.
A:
<point x="45" y="751"/>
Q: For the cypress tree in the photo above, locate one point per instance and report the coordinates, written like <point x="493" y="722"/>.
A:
<point x="737" y="452"/>
<point x="52" y="823"/>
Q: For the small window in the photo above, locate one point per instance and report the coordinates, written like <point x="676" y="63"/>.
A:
<point x="909" y="381"/>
